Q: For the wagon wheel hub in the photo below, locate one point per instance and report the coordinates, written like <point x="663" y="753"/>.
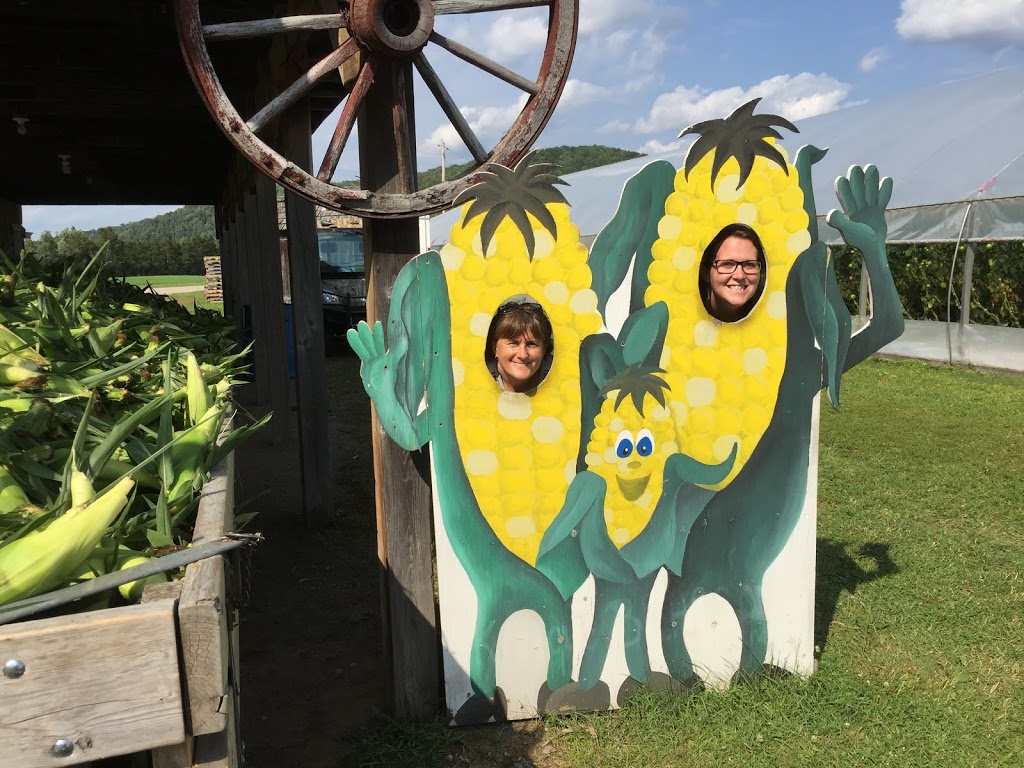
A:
<point x="396" y="28"/>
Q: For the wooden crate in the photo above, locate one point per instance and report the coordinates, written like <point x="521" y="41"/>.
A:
<point x="160" y="676"/>
<point x="213" y="285"/>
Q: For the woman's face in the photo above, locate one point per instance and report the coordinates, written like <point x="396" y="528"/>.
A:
<point x="519" y="361"/>
<point x="729" y="292"/>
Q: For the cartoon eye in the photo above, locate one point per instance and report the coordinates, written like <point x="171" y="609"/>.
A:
<point x="644" y="442"/>
<point x="624" y="444"/>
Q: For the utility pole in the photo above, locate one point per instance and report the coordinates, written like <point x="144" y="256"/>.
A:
<point x="442" y="146"/>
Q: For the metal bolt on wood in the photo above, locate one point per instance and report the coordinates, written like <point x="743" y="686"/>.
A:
<point x="14" y="668"/>
<point x="63" y="748"/>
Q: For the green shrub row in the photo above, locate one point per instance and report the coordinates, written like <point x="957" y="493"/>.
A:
<point x="922" y="274"/>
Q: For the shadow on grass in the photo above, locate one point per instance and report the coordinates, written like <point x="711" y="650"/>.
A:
<point x="840" y="572"/>
<point x="388" y="743"/>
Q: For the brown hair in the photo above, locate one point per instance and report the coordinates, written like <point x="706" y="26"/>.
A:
<point x="743" y="232"/>
<point x="516" y="318"/>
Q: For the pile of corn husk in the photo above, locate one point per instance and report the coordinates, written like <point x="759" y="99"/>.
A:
<point x="112" y="400"/>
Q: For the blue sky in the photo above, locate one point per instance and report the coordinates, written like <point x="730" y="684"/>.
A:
<point x="646" y="69"/>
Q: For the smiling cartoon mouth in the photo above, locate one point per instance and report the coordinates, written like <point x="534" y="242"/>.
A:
<point x="632" y="489"/>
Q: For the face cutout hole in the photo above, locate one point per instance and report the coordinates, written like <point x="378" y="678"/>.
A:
<point x="732" y="274"/>
<point x="520" y="344"/>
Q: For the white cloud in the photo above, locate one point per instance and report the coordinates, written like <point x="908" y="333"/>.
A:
<point x="987" y="23"/>
<point x="627" y="37"/>
<point x="869" y="61"/>
<point x="55" y="218"/>
<point x="488" y="125"/>
<point x="795" y="98"/>
<point x="514" y="36"/>
<point x="596" y="16"/>
<point x="614" y="126"/>
<point x="576" y="93"/>
<point x="654" y="147"/>
<point x="654" y="42"/>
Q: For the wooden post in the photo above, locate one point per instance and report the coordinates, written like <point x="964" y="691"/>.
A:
<point x="308" y="330"/>
<point x="257" y="296"/>
<point x="273" y="306"/>
<point x="12" y="234"/>
<point x="404" y="533"/>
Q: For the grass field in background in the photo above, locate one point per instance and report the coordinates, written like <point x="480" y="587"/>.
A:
<point x="192" y="299"/>
<point x="162" y="281"/>
<point x="919" y="606"/>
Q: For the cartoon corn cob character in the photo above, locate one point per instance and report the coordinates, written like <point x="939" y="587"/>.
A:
<point x="519" y="449"/>
<point x="503" y="461"/>
<point x="748" y="385"/>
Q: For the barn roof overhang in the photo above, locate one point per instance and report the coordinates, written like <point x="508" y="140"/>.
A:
<point x="106" y="110"/>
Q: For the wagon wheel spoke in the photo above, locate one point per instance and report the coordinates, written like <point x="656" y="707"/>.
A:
<point x="480" y="6"/>
<point x="247" y="30"/>
<point x="303" y="85"/>
<point x="487" y="65"/>
<point x="450" y="108"/>
<point x="348" y="119"/>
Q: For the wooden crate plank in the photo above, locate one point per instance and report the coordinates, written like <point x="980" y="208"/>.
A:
<point x="201" y="610"/>
<point x="106" y="680"/>
<point x="174" y="756"/>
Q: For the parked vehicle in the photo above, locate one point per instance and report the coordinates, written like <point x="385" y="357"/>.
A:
<point x="342" y="278"/>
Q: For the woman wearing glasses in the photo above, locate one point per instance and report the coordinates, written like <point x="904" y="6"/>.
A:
<point x="731" y="276"/>
<point x="519" y="345"/>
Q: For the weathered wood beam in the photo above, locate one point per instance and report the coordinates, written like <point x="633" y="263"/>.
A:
<point x="12" y="233"/>
<point x="257" y="297"/>
<point x="404" y="531"/>
<point x="273" y="305"/>
<point x="308" y="330"/>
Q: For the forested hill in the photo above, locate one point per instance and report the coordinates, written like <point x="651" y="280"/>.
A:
<point x="176" y="242"/>
<point x="181" y="224"/>
<point x="566" y="159"/>
<point x="196" y="220"/>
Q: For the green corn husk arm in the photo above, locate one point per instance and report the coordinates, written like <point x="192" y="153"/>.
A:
<point x="40" y="560"/>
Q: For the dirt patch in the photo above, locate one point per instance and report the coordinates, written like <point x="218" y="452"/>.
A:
<point x="310" y="635"/>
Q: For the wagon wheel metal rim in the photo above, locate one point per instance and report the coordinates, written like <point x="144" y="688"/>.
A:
<point x="372" y="38"/>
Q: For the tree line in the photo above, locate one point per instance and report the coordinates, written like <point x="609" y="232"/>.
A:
<point x="123" y="257"/>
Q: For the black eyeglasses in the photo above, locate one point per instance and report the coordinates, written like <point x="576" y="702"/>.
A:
<point x="728" y="266"/>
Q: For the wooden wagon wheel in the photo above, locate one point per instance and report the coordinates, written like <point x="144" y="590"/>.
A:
<point x="378" y="31"/>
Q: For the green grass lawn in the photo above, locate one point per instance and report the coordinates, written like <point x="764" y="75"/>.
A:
<point x="920" y="598"/>
<point x="192" y="299"/>
<point x="162" y="281"/>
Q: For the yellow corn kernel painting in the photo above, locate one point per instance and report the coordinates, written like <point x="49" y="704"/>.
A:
<point x="624" y="494"/>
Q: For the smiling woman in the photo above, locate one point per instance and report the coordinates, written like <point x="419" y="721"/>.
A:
<point x="520" y="345"/>
<point x="730" y="277"/>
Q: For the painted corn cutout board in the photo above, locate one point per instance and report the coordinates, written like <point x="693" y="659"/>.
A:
<point x="646" y="514"/>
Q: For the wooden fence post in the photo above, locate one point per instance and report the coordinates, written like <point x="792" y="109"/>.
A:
<point x="404" y="532"/>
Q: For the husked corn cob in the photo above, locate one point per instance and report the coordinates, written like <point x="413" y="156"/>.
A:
<point x="32" y="564"/>
<point x="11" y="494"/>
